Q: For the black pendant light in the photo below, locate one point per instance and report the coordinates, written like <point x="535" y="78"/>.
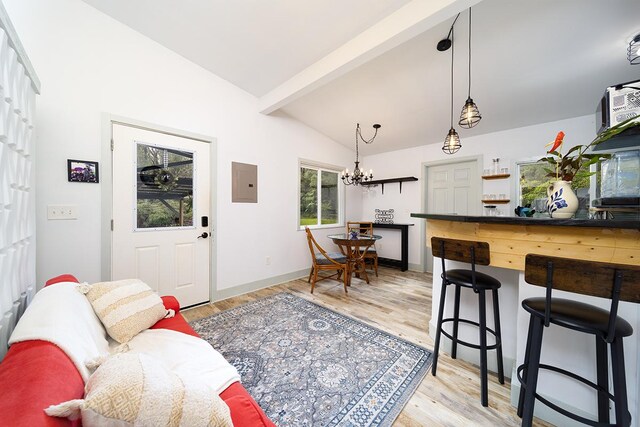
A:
<point x="470" y="116"/>
<point x="633" y="51"/>
<point x="452" y="141"/>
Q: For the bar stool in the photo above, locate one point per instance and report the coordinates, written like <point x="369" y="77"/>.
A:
<point x="588" y="278"/>
<point x="472" y="253"/>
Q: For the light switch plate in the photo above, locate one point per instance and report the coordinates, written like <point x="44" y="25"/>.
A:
<point x="56" y="212"/>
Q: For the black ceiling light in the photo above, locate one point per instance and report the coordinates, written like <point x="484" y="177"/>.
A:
<point x="452" y="141"/>
<point x="470" y="116"/>
<point x="359" y="175"/>
<point x="633" y="51"/>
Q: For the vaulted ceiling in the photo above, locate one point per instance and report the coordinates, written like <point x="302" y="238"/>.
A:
<point x="332" y="63"/>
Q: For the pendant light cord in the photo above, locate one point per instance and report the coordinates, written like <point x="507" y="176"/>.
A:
<point x="357" y="130"/>
<point x="469" y="94"/>
<point x="452" y="44"/>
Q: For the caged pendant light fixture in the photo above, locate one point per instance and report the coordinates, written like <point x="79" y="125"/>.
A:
<point x="633" y="51"/>
<point x="452" y="141"/>
<point x="470" y="115"/>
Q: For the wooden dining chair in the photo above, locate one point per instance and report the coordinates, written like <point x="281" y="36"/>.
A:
<point x="326" y="261"/>
<point x="365" y="227"/>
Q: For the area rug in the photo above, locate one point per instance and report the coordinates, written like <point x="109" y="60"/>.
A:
<point x="307" y="365"/>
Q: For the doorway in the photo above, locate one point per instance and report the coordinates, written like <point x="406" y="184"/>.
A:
<point x="450" y="187"/>
<point x="161" y="209"/>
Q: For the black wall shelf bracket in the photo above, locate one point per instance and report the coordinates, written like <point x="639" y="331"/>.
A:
<point x="382" y="182"/>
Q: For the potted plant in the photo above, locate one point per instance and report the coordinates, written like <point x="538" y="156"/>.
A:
<point x="562" y="201"/>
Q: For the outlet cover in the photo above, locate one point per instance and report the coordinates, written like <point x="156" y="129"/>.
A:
<point x="59" y="212"/>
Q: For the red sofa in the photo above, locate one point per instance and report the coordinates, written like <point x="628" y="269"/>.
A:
<point x="37" y="374"/>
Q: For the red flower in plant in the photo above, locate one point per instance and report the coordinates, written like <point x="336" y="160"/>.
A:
<point x="558" y="142"/>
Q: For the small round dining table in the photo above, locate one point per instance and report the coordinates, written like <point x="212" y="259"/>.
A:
<point x="354" y="247"/>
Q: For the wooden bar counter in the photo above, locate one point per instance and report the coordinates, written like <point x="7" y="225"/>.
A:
<point x="510" y="240"/>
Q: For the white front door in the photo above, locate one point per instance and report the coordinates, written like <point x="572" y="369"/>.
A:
<point x="453" y="188"/>
<point x="161" y="203"/>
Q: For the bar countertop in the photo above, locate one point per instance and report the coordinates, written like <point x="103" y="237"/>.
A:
<point x="602" y="223"/>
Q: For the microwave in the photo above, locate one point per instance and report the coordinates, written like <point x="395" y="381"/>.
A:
<point x="619" y="103"/>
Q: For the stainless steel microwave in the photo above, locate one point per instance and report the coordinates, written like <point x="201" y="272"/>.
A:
<point x="619" y="103"/>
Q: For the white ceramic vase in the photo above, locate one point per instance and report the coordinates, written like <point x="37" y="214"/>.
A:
<point x="561" y="201"/>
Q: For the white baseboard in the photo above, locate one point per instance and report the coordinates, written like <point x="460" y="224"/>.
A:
<point x="222" y="294"/>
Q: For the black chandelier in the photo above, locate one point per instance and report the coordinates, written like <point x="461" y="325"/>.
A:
<point x="359" y="175"/>
<point x="470" y="115"/>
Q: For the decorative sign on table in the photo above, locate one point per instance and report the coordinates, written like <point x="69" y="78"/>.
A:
<point x="384" y="216"/>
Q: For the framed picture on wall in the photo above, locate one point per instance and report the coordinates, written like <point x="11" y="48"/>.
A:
<point x="82" y="171"/>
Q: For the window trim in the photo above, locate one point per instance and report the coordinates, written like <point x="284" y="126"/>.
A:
<point x="517" y="191"/>
<point x="310" y="164"/>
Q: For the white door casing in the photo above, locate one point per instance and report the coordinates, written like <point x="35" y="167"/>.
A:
<point x="173" y="257"/>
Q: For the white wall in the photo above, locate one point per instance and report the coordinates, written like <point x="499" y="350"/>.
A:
<point x="90" y="64"/>
<point x="526" y="143"/>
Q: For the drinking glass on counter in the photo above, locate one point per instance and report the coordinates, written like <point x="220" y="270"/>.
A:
<point x="504" y="171"/>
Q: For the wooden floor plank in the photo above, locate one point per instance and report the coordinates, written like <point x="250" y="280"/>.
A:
<point x="400" y="303"/>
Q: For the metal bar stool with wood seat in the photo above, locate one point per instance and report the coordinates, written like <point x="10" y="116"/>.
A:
<point x="612" y="281"/>
<point x="474" y="253"/>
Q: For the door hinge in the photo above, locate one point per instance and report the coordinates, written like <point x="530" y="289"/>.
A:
<point x="111" y="144"/>
<point x="111" y="225"/>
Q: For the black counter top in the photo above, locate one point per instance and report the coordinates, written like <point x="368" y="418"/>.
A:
<point x="602" y="223"/>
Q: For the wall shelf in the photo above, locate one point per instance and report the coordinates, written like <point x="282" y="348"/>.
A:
<point x="499" y="176"/>
<point x="496" y="201"/>
<point x="382" y="182"/>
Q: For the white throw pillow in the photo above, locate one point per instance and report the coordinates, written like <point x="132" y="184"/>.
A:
<point x="137" y="390"/>
<point x="125" y="307"/>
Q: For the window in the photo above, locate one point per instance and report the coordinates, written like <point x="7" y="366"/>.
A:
<point x="321" y="199"/>
<point x="533" y="183"/>
<point x="164" y="187"/>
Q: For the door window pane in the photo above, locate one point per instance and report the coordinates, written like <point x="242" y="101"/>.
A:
<point x="308" y="196"/>
<point x="164" y="187"/>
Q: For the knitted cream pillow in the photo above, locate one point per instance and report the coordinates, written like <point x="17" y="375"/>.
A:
<point x="137" y="390"/>
<point x="125" y="307"/>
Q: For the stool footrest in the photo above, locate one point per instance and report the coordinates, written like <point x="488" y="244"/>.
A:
<point x="465" y="343"/>
<point x="560" y="409"/>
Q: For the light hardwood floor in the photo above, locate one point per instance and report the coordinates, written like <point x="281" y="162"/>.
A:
<point x="400" y="303"/>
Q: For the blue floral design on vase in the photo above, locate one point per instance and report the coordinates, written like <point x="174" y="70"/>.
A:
<point x="562" y="201"/>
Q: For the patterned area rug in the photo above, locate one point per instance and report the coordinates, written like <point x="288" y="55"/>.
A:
<point x="307" y="365"/>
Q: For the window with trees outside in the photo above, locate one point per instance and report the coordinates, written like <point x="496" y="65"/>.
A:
<point x="321" y="200"/>
<point x="533" y="183"/>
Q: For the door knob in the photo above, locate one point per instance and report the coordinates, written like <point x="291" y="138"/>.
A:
<point x="203" y="235"/>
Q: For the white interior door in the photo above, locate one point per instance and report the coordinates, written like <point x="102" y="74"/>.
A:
<point x="161" y="195"/>
<point x="453" y="189"/>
